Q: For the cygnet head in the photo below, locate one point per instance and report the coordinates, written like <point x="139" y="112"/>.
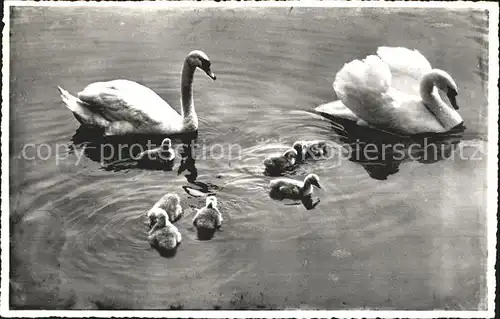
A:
<point x="211" y="202"/>
<point x="166" y="144"/>
<point x="312" y="179"/>
<point x="290" y="154"/>
<point x="200" y="60"/>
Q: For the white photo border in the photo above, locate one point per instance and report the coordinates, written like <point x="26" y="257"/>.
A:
<point x="492" y="166"/>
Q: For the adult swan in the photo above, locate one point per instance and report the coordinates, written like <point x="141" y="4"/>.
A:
<point x="395" y="91"/>
<point x="124" y="107"/>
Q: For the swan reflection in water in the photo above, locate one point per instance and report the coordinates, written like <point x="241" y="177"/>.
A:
<point x="119" y="153"/>
<point x="381" y="153"/>
<point x="309" y="202"/>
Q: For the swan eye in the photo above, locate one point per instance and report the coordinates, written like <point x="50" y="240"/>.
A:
<point x="205" y="64"/>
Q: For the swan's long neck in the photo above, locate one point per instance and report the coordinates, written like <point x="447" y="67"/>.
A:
<point x="446" y="115"/>
<point x="187" y="105"/>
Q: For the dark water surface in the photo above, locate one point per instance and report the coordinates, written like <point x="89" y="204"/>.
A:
<point x="385" y="235"/>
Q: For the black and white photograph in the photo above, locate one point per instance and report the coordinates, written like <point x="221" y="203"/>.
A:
<point x="197" y="159"/>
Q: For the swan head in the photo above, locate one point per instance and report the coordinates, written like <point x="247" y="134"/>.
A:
<point x="199" y="59"/>
<point x="166" y="144"/>
<point x="445" y="83"/>
<point x="312" y="179"/>
<point x="211" y="202"/>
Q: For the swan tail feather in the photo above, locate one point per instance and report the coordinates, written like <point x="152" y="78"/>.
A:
<point x="80" y="111"/>
<point x="337" y="109"/>
<point x="362" y="86"/>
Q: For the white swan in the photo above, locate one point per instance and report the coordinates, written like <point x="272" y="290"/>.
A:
<point x="124" y="107"/>
<point x="395" y="91"/>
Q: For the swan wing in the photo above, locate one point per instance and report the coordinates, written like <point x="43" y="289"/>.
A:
<point x="124" y="100"/>
<point x="407" y="67"/>
<point x="365" y="88"/>
<point x="338" y="109"/>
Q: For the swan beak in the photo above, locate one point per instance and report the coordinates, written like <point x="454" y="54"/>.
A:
<point x="211" y="74"/>
<point x="453" y="102"/>
<point x="452" y="96"/>
<point x="318" y="184"/>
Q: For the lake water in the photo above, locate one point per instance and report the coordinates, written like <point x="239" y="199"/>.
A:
<point x="385" y="235"/>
